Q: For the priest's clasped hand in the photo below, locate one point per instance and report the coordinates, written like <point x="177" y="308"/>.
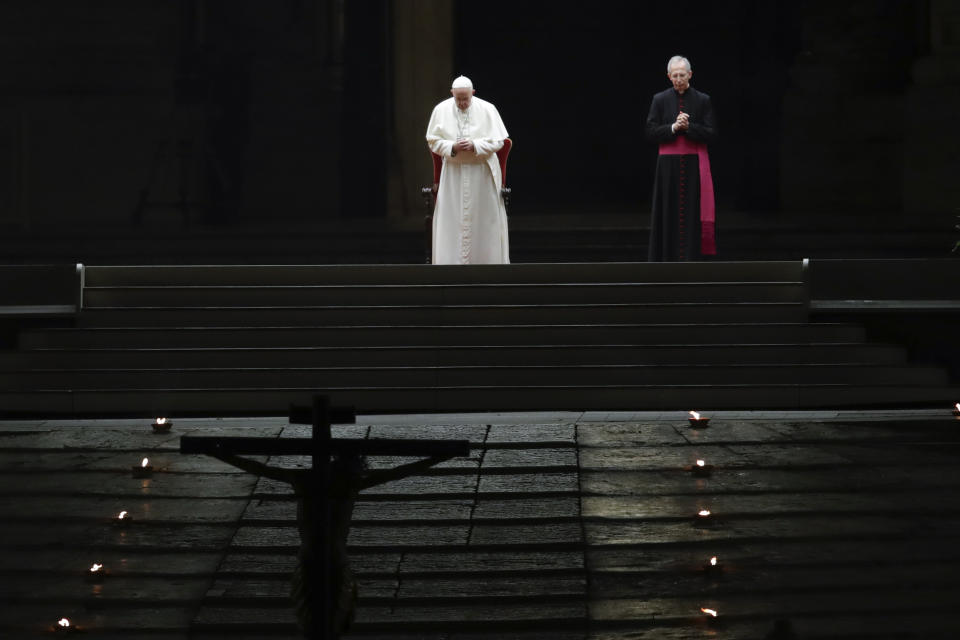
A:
<point x="682" y="123"/>
<point x="464" y="144"/>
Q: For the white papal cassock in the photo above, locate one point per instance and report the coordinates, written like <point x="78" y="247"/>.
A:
<point x="469" y="221"/>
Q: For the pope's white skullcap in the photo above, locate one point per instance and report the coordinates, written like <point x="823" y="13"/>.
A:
<point x="462" y="82"/>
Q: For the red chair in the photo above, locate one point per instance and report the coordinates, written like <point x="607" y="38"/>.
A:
<point x="430" y="193"/>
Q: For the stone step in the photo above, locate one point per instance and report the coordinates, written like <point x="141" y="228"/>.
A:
<point x="309" y="295"/>
<point x="493" y="376"/>
<point x="248" y="339"/>
<point x="415" y="274"/>
<point x="271" y="402"/>
<point x="173" y="337"/>
<point x="460" y="589"/>
<point x="638" y="354"/>
<point x="668" y="313"/>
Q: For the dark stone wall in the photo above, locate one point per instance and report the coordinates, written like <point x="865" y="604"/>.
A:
<point x="843" y="148"/>
<point x="238" y="100"/>
<point x="85" y="89"/>
<point x="285" y="108"/>
<point x="824" y="107"/>
<point x="367" y="108"/>
<point x="573" y="83"/>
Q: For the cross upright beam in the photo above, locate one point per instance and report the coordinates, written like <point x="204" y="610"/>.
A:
<point x="320" y="463"/>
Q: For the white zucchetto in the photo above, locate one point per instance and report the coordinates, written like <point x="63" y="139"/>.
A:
<point x="462" y="82"/>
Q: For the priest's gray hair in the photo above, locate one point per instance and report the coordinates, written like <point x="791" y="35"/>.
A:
<point x="675" y="59"/>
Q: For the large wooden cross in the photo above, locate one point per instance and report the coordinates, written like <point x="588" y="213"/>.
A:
<point x="321" y="446"/>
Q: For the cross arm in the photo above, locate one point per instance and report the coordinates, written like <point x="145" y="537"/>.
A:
<point x="381" y="476"/>
<point x="304" y="446"/>
<point x="254" y="467"/>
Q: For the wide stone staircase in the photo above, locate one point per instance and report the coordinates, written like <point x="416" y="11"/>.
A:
<point x="249" y="340"/>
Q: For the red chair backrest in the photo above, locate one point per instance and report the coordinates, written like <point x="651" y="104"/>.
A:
<point x="501" y="156"/>
<point x="437" y="166"/>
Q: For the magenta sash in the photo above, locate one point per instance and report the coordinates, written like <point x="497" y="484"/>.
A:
<point x="682" y="145"/>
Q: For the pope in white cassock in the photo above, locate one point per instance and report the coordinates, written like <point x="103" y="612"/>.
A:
<point x="469" y="221"/>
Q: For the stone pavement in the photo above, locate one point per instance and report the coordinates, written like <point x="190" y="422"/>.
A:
<point x="559" y="525"/>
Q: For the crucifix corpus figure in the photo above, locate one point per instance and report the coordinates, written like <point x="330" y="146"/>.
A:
<point x="323" y="590"/>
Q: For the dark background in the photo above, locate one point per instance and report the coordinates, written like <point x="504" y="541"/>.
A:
<point x="574" y="87"/>
<point x="274" y="115"/>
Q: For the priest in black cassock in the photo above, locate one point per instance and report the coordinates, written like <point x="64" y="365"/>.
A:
<point x="682" y="224"/>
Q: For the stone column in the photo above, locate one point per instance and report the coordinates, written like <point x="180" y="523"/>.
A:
<point x="843" y="113"/>
<point x="422" y="72"/>
<point x="931" y="163"/>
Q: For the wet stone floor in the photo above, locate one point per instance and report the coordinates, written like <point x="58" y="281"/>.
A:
<point x="558" y="525"/>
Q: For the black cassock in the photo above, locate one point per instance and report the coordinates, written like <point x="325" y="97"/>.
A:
<point x="675" y="232"/>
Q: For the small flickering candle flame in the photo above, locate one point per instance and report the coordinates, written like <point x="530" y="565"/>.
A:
<point x="710" y="612"/>
<point x="956" y="407"/>
<point x="123" y="514"/>
<point x="695" y="415"/>
<point x="145" y="463"/>
<point x="713" y="561"/>
<point x="63" y="623"/>
<point x="161" y="425"/>
<point x="700" y="468"/>
<point x="96" y="567"/>
<point x="704" y="513"/>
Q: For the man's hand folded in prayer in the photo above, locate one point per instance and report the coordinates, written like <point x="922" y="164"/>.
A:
<point x="682" y="123"/>
<point x="464" y="144"/>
